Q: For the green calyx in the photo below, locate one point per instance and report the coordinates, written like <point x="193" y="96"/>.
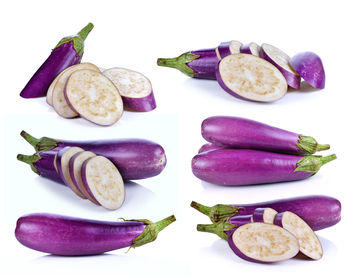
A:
<point x="179" y="63"/>
<point x="41" y="144"/>
<point x="309" y="145"/>
<point x="312" y="164"/>
<point x="217" y="212"/>
<point x="218" y="228"/>
<point x="30" y="160"/>
<point x="151" y="230"/>
<point x="78" y="39"/>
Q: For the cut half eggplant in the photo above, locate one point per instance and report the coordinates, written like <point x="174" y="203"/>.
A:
<point x="58" y="100"/>
<point x="94" y="97"/>
<point x="135" y="88"/>
<point x="263" y="243"/>
<point x="252" y="78"/>
<point x="75" y="165"/>
<point x="103" y="182"/>
<point x="251" y="48"/>
<point x="235" y="46"/>
<point x="266" y="215"/>
<point x="62" y="162"/>
<point x="309" y="244"/>
<point x="281" y="60"/>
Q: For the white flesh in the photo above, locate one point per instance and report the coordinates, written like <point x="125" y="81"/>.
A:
<point x="66" y="156"/>
<point x="254" y="48"/>
<point x="265" y="242"/>
<point x="94" y="97"/>
<point x="55" y="163"/>
<point x="78" y="161"/>
<point x="50" y="89"/>
<point x="235" y="47"/>
<point x="217" y="53"/>
<point x="269" y="215"/>
<point x="105" y="182"/>
<point x="308" y="241"/>
<point x="129" y="83"/>
<point x="58" y="100"/>
<point x="281" y="58"/>
<point x="252" y="77"/>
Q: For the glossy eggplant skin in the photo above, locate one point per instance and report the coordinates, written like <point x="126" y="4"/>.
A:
<point x="68" y="52"/>
<point x="134" y="158"/>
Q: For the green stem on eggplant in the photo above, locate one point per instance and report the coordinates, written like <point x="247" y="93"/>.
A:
<point x="41" y="144"/>
<point x="217" y="212"/>
<point x="30" y="160"/>
<point x="179" y="63"/>
<point x="218" y="228"/>
<point x="309" y="145"/>
<point x="312" y="164"/>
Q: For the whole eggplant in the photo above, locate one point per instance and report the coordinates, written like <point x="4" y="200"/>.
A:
<point x="246" y="167"/>
<point x="236" y="132"/>
<point x="318" y="211"/>
<point x="197" y="64"/>
<point x="42" y="163"/>
<point x="62" y="235"/>
<point x="67" y="52"/>
<point x="134" y="158"/>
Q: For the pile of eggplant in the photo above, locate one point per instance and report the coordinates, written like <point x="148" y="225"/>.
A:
<point x="82" y="89"/>
<point x="95" y="170"/>
<point x="246" y="152"/>
<point x="249" y="71"/>
<point x="273" y="231"/>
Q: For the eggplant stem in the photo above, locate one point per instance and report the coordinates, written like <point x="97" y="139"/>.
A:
<point x="218" y="228"/>
<point x="312" y="164"/>
<point x="217" y="212"/>
<point x="327" y="159"/>
<point x="85" y="31"/>
<point x="322" y="147"/>
<point x="151" y="230"/>
<point x="310" y="146"/>
<point x="179" y="63"/>
<point x="30" y="139"/>
<point x="30" y="160"/>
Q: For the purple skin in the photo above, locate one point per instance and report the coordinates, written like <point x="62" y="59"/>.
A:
<point x="245" y="49"/>
<point x="209" y="147"/>
<point x="243" y="133"/>
<point x="293" y="80"/>
<point x="197" y="64"/>
<point x="70" y="236"/>
<point x="143" y="104"/>
<point x="317" y="211"/>
<point x="68" y="52"/>
<point x="134" y="158"/>
<point x="309" y="66"/>
<point x="42" y="163"/>
<point x="224" y="49"/>
<point x="235" y="167"/>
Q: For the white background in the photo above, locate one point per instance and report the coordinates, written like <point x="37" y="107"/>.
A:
<point x="133" y="34"/>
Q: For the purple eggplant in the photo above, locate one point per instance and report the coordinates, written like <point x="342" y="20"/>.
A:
<point x="42" y="163"/>
<point x="134" y="158"/>
<point x="317" y="211"/>
<point x="210" y="147"/>
<point x="243" y="133"/>
<point x="197" y="64"/>
<point x="235" y="167"/>
<point x="71" y="236"/>
<point x="67" y="52"/>
<point x="309" y="66"/>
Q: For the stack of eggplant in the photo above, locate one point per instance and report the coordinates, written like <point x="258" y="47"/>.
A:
<point x="251" y="72"/>
<point x="246" y="152"/>
<point x="95" y="170"/>
<point x="273" y="231"/>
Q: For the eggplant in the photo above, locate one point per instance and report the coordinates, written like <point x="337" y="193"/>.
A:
<point x="134" y="158"/>
<point x="197" y="64"/>
<point x="42" y="163"/>
<point x="234" y="167"/>
<point x="317" y="211"/>
<point x="70" y="236"/>
<point x="67" y="52"/>
<point x="236" y="132"/>
<point x="210" y="147"/>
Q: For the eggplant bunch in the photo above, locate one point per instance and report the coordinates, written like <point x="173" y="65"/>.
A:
<point x="272" y="231"/>
<point x="246" y="152"/>
<point x="249" y="71"/>
<point x="95" y="170"/>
